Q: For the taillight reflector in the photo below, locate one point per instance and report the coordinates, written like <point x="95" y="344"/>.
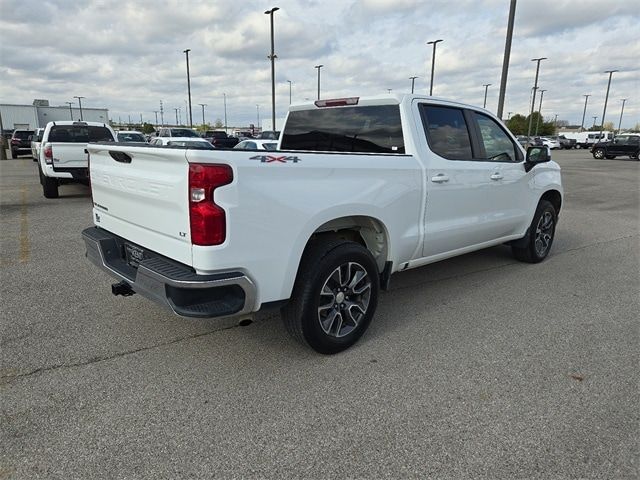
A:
<point x="207" y="220"/>
<point x="337" y="102"/>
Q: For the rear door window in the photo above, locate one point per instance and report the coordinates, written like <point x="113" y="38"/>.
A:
<point x="447" y="132"/>
<point x="365" y="129"/>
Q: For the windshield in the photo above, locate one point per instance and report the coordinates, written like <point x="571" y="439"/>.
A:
<point x="183" y="132"/>
<point x="131" y="137"/>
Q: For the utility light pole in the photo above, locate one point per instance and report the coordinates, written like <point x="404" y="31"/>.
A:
<point x="186" y="52"/>
<point x="621" y="112"/>
<point x="539" y="111"/>
<point x="505" y="60"/>
<point x="70" y="109"/>
<point x="509" y="115"/>
<point x="176" y="116"/>
<point x="202" y="105"/>
<point x="535" y="88"/>
<point x="595" y="117"/>
<point x="584" y="112"/>
<point x="258" y="114"/>
<point x="289" y="91"/>
<point x="156" y="112"/>
<point x="224" y="96"/>
<point x="80" y="104"/>
<point x="273" y="57"/>
<point x="486" y="90"/>
<point x="606" y="98"/>
<point x="318" y="67"/>
<point x="413" y="82"/>
<point x="161" y="114"/>
<point x="433" y="62"/>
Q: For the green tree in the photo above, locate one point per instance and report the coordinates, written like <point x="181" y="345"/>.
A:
<point x="147" y="128"/>
<point x="218" y="123"/>
<point x="517" y="124"/>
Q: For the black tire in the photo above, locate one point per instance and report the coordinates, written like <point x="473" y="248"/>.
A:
<point x="49" y="187"/>
<point x="599" y="153"/>
<point x="635" y="156"/>
<point x="304" y="316"/>
<point x="530" y="250"/>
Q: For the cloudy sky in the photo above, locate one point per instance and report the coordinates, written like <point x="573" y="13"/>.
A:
<point x="127" y="56"/>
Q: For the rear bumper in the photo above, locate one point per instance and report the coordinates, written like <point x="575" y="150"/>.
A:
<point x="170" y="283"/>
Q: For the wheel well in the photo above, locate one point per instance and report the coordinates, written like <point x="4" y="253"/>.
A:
<point x="367" y="231"/>
<point x="555" y="198"/>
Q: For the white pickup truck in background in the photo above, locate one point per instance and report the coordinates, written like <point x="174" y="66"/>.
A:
<point x="359" y="189"/>
<point x="62" y="154"/>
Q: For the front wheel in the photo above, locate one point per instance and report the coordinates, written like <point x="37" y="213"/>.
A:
<point x="598" y="153"/>
<point x="539" y="236"/>
<point x="635" y="156"/>
<point x="334" y="297"/>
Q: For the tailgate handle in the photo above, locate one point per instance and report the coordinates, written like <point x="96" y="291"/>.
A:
<point x="121" y="157"/>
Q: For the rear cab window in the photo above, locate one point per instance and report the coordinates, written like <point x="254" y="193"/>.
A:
<point x="79" y="134"/>
<point x="357" y="129"/>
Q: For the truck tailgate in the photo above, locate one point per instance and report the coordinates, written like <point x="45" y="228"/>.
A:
<point x="69" y="155"/>
<point x="141" y="194"/>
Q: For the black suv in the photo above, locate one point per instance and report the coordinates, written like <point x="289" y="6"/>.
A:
<point x="620" y="146"/>
<point x="20" y="142"/>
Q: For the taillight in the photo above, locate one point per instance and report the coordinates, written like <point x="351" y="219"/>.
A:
<point x="207" y="220"/>
<point x="48" y="154"/>
<point x="337" y="102"/>
<point x="15" y="140"/>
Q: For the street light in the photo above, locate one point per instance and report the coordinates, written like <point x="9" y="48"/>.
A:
<point x="70" y="109"/>
<point x="202" y="105"/>
<point x="486" y="89"/>
<point x="156" y="112"/>
<point x="413" y="82"/>
<point x="224" y="96"/>
<point x="80" y="104"/>
<point x="176" y="116"/>
<point x="535" y="88"/>
<point x="186" y="52"/>
<point x="273" y="57"/>
<point x="595" y="117"/>
<point x="433" y="62"/>
<point x="509" y="115"/>
<point x="318" y="67"/>
<point x="621" y="112"/>
<point x="539" y="111"/>
<point x="606" y="98"/>
<point x="258" y="114"/>
<point x="505" y="59"/>
<point x="584" y="112"/>
<point x="289" y="91"/>
<point x="389" y="90"/>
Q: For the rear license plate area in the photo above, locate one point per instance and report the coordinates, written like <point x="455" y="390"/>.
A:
<point x="134" y="254"/>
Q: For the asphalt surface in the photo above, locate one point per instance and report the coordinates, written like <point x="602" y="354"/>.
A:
<point x="475" y="367"/>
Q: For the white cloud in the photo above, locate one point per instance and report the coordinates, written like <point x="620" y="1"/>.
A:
<point x="128" y="56"/>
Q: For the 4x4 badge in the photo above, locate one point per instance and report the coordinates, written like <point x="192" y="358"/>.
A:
<point x="275" y="158"/>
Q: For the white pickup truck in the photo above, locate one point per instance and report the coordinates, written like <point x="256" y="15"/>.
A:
<point x="360" y="188"/>
<point x="62" y="155"/>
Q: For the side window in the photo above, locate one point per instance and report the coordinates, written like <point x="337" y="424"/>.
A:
<point x="498" y="145"/>
<point x="250" y="146"/>
<point x="447" y="132"/>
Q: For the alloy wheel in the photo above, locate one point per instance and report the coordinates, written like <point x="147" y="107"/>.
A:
<point x="544" y="234"/>
<point x="344" y="299"/>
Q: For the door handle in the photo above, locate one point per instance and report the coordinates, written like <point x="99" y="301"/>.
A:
<point x="440" y="178"/>
<point x="496" y="176"/>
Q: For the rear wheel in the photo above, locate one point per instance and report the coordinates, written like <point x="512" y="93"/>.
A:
<point x="540" y="235"/>
<point x="634" y="156"/>
<point x="335" y="296"/>
<point x="598" y="153"/>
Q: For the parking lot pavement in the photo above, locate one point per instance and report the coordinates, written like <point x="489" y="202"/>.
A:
<point x="476" y="367"/>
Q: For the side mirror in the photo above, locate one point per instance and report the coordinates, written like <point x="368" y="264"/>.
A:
<point x="538" y="155"/>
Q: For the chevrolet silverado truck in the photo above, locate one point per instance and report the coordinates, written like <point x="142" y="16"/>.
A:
<point x="359" y="188"/>
<point x="63" y="154"/>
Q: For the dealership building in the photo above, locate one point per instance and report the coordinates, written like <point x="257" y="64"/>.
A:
<point x="38" y="114"/>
